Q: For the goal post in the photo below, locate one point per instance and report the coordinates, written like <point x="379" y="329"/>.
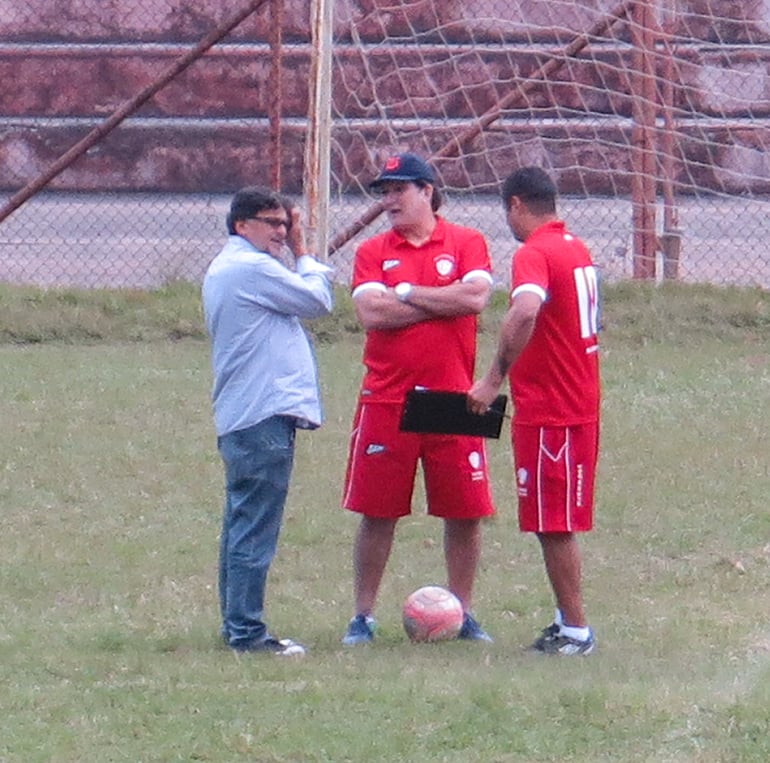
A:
<point x="318" y="143"/>
<point x="634" y="107"/>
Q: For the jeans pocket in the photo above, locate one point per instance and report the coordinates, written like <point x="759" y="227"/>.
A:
<point x="266" y="449"/>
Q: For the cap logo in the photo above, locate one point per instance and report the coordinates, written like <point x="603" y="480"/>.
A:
<point x="393" y="163"/>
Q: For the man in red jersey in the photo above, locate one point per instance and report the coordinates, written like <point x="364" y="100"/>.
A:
<point x="548" y="348"/>
<point x="417" y="290"/>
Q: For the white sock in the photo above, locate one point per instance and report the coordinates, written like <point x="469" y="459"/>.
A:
<point x="579" y="634"/>
<point x="558" y="618"/>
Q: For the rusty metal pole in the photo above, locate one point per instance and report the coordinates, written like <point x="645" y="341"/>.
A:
<point x="275" y="107"/>
<point x="643" y="181"/>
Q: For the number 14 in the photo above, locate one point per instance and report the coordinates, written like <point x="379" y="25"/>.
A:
<point x="587" y="287"/>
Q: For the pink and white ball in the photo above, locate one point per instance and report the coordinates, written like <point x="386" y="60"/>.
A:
<point x="432" y="613"/>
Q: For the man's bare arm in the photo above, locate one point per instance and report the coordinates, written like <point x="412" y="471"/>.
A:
<point x="460" y="298"/>
<point x="515" y="332"/>
<point x="383" y="310"/>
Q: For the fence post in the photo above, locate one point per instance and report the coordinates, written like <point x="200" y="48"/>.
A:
<point x="276" y="95"/>
<point x="671" y="238"/>
<point x="318" y="142"/>
<point x="643" y="181"/>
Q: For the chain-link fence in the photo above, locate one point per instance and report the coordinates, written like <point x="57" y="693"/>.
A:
<point x="124" y="130"/>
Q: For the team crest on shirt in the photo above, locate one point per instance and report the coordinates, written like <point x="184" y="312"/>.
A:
<point x="445" y="264"/>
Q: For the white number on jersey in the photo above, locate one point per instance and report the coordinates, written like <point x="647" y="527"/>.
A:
<point x="587" y="287"/>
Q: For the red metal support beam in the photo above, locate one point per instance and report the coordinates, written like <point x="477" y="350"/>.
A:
<point x="276" y="95"/>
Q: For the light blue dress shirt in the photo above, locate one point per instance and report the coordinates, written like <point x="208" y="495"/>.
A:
<point x="262" y="358"/>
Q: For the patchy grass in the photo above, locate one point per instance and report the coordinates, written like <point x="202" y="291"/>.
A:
<point x="111" y="492"/>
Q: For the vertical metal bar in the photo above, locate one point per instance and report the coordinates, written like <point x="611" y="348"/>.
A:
<point x="643" y="141"/>
<point x="276" y="93"/>
<point x="671" y="237"/>
<point x="318" y="142"/>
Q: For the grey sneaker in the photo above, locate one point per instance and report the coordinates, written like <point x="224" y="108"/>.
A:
<point x="360" y="630"/>
<point x="551" y="641"/>
<point x="472" y="631"/>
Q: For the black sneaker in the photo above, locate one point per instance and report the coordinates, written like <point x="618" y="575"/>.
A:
<point x="284" y="647"/>
<point x="551" y="641"/>
<point x="360" y="630"/>
<point x="472" y="631"/>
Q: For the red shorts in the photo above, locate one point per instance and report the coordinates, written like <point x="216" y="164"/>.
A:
<point x="555" y="476"/>
<point x="382" y="465"/>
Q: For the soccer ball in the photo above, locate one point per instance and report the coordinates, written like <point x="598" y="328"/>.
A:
<point x="432" y="613"/>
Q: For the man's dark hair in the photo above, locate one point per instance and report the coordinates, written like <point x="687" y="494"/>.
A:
<point x="252" y="200"/>
<point x="436" y="198"/>
<point x="534" y="187"/>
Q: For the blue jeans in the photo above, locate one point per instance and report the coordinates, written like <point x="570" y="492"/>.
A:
<point x="258" y="461"/>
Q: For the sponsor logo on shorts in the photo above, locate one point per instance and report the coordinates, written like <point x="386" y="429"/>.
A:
<point x="475" y="460"/>
<point x="522" y="477"/>
<point x="390" y="264"/>
<point x="579" y="487"/>
<point x="372" y="449"/>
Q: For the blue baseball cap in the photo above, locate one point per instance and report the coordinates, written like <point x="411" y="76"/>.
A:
<point x="405" y="167"/>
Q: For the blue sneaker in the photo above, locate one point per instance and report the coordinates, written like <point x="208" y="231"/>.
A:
<point x="360" y="630"/>
<point x="551" y="641"/>
<point x="472" y="631"/>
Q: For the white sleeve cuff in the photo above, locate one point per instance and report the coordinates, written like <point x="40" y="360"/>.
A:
<point x="369" y="286"/>
<point x="309" y="264"/>
<point x="473" y="274"/>
<point x="532" y="288"/>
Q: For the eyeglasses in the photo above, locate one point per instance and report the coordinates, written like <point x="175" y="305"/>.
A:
<point x="273" y="222"/>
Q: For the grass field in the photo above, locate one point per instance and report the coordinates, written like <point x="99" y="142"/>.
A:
<point x="111" y="491"/>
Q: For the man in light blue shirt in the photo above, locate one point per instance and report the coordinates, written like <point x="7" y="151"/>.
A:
<point x="265" y="387"/>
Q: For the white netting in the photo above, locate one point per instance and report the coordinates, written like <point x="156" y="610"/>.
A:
<point x="666" y="103"/>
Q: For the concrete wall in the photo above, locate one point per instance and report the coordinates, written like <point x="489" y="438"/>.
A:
<point x="68" y="64"/>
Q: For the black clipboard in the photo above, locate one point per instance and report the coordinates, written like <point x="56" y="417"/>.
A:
<point x="439" y="412"/>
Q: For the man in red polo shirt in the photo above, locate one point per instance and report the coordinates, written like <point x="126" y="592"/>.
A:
<point x="417" y="290"/>
<point x="548" y="348"/>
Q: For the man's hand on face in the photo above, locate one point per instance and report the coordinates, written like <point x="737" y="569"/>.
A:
<point x="295" y="237"/>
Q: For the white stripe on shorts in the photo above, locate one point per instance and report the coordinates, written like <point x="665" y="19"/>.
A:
<point x="564" y="455"/>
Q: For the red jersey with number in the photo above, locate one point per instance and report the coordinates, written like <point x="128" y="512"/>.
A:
<point x="438" y="353"/>
<point x="555" y="380"/>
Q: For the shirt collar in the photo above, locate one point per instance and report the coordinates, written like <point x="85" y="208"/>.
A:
<point x="438" y="235"/>
<point x="549" y="227"/>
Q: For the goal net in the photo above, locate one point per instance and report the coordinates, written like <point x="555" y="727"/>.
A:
<point x="651" y="116"/>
